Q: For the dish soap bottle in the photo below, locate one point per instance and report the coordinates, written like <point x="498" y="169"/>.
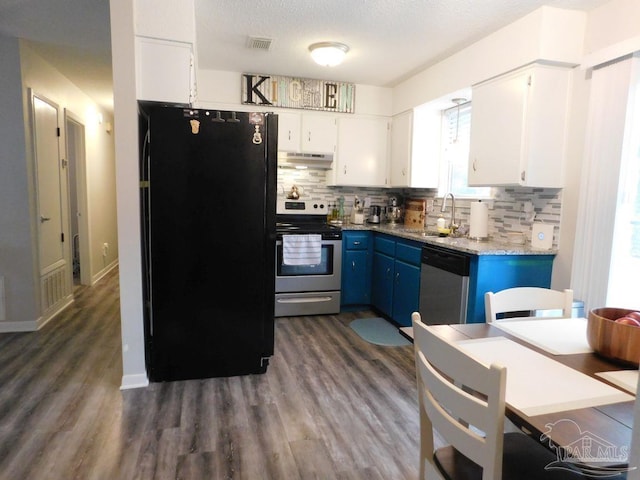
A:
<point x="341" y="209"/>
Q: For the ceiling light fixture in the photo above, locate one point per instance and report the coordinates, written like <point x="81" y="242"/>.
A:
<point x="328" y="54"/>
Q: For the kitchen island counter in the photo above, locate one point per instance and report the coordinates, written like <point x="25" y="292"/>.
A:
<point x="463" y="244"/>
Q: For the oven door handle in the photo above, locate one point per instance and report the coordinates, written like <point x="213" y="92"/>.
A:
<point x="304" y="300"/>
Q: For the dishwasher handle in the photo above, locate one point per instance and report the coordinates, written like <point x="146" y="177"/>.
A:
<point x="447" y="260"/>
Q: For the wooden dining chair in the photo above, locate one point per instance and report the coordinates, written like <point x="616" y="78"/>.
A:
<point x="526" y="299"/>
<point x="464" y="401"/>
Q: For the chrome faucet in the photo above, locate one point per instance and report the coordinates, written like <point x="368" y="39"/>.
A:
<point x="452" y="225"/>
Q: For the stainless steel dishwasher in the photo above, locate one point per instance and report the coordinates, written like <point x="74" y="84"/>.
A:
<point x="444" y="285"/>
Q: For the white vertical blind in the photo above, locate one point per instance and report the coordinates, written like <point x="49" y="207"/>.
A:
<point x="456" y="135"/>
<point x="625" y="255"/>
<point x="609" y="99"/>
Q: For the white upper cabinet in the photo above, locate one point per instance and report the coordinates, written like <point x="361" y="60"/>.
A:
<point x="518" y="128"/>
<point x="289" y="132"/>
<point x="362" y="153"/>
<point x="414" y="161"/>
<point x="319" y="133"/>
<point x="306" y="133"/>
<point x="165" y="70"/>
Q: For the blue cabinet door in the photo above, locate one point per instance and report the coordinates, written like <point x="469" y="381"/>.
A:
<point x="382" y="283"/>
<point x="406" y="292"/>
<point x="356" y="268"/>
<point x="356" y="277"/>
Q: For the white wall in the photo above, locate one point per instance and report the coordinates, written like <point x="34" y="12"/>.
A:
<point x="17" y="261"/>
<point x="614" y="22"/>
<point x="547" y="33"/>
<point x="127" y="177"/>
<point x="45" y="80"/>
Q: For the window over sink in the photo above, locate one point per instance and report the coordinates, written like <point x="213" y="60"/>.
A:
<point x="454" y="153"/>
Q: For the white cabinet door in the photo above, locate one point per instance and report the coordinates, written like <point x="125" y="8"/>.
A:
<point x="400" y="161"/>
<point x="415" y="149"/>
<point x="164" y="70"/>
<point x="289" y="132"/>
<point x="363" y="151"/>
<point x="318" y="133"/>
<point x="518" y="128"/>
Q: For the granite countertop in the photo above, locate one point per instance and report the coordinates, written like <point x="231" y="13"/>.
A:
<point x="475" y="247"/>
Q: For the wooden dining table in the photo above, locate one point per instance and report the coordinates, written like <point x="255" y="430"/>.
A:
<point x="607" y="425"/>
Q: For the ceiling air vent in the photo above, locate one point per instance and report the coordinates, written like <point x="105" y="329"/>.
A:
<point x="259" y="43"/>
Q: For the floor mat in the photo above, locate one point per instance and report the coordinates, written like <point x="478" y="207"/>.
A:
<point x="378" y="331"/>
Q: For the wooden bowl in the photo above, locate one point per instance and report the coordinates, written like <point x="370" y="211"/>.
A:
<point x="614" y="341"/>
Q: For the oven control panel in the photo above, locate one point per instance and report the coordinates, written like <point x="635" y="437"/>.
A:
<point x="300" y="207"/>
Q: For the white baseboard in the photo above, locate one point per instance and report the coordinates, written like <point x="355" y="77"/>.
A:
<point x="98" y="276"/>
<point x="139" y="380"/>
<point x="42" y="321"/>
<point x="35" y="325"/>
<point x="14" y="327"/>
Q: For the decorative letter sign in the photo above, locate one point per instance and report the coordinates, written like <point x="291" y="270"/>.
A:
<point x="293" y="92"/>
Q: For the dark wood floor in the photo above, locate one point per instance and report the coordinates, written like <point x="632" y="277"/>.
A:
<point x="331" y="406"/>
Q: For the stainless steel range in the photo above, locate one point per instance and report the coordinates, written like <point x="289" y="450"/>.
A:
<point x="307" y="289"/>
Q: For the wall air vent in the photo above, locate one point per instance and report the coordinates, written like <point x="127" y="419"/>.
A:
<point x="259" y="43"/>
<point x="315" y="161"/>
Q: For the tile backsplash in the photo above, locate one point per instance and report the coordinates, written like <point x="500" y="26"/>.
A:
<point x="506" y="207"/>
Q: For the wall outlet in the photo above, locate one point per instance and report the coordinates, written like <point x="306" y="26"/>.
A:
<point x="542" y="236"/>
<point x="105" y="249"/>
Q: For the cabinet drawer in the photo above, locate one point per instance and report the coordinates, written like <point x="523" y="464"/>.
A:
<point x="385" y="245"/>
<point x="408" y="253"/>
<point x="356" y="241"/>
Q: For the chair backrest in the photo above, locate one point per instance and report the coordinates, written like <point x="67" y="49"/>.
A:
<point x="520" y="299"/>
<point x="447" y="378"/>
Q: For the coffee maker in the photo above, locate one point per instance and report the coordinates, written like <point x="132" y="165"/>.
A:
<point x="374" y="214"/>
<point x="394" y="210"/>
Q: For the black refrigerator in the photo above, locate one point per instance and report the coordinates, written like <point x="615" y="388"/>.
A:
<point x="208" y="201"/>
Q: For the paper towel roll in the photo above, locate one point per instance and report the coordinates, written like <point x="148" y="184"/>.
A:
<point x="478" y="220"/>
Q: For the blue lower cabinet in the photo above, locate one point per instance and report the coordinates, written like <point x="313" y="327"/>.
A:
<point x="492" y="273"/>
<point x="395" y="285"/>
<point x="384" y="271"/>
<point x="406" y="292"/>
<point x="382" y="283"/>
<point x="356" y="268"/>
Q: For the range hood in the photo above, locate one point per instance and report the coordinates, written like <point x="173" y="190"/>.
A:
<point x="317" y="161"/>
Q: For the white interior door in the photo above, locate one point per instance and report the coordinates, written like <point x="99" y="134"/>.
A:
<point x="50" y="184"/>
<point x="52" y="208"/>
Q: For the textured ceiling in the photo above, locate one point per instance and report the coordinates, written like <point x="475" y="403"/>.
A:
<point x="389" y="39"/>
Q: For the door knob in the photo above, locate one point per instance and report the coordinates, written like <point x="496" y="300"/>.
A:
<point x="44" y="219"/>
